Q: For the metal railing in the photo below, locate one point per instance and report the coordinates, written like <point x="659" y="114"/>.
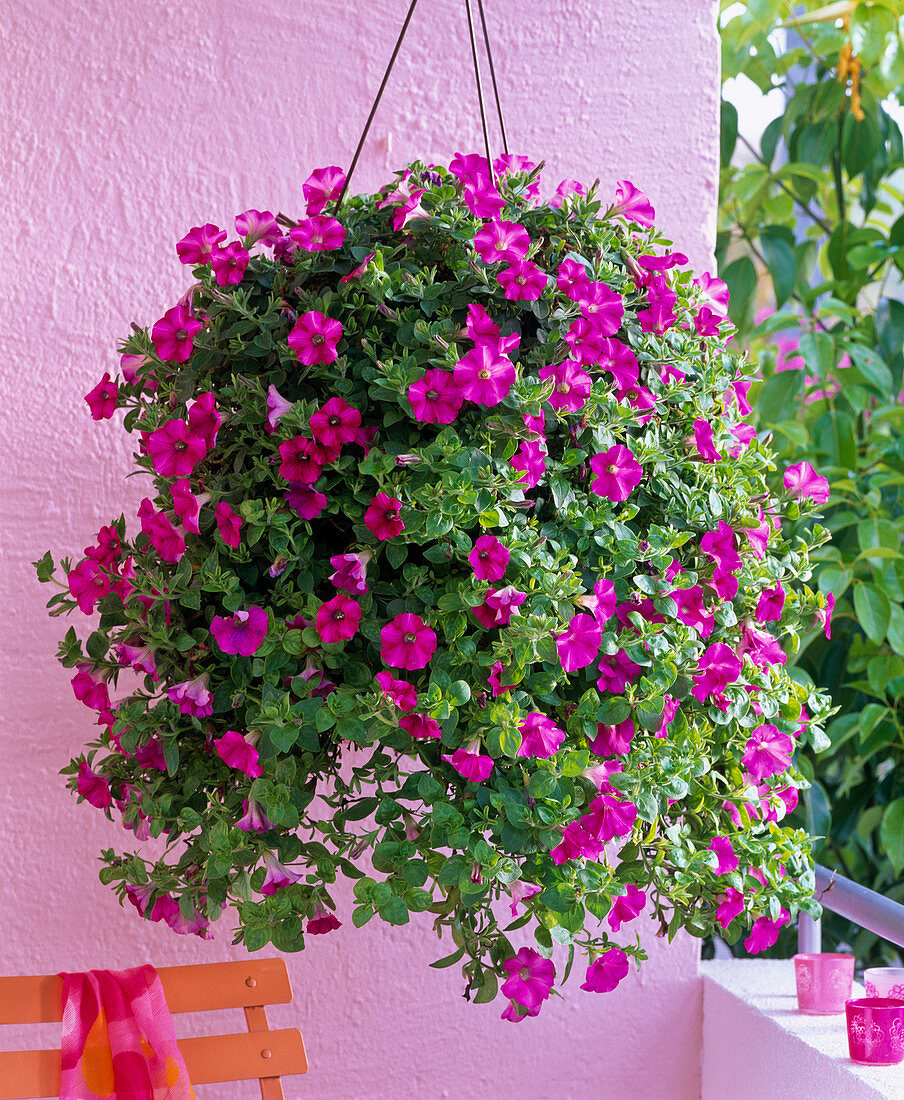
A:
<point x="857" y="903"/>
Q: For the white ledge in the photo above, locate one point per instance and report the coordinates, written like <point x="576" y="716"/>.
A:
<point x="757" y="1046"/>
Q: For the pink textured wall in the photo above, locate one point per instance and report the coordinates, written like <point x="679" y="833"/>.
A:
<point x="122" y="126"/>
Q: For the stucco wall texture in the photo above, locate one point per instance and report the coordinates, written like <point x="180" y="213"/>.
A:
<point x="124" y="124"/>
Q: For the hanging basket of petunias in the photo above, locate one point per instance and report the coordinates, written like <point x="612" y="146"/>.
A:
<point x="457" y="575"/>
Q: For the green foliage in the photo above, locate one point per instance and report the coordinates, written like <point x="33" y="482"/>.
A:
<point x="812" y="225"/>
<point x="345" y="789"/>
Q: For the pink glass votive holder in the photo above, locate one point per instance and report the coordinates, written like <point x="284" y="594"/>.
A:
<point x="823" y="982"/>
<point x="884" y="981"/>
<point x="875" y="1027"/>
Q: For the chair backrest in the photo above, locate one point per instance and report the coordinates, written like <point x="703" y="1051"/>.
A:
<point x="258" y="1053"/>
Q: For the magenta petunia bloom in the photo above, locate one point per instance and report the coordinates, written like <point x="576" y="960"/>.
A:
<point x="257" y="225"/>
<point x="717" y="668"/>
<point x="277" y="877"/>
<point x="88" y="584"/>
<point x="253" y="819"/>
<point x="803" y="481"/>
<point x="609" y="817"/>
<point x="726" y="859"/>
<point x="243" y="633"/>
<point x="469" y="168"/>
<point x="306" y="502"/>
<point x="482" y="198"/>
<point x="314" y="338"/>
<point x="706" y="322"/>
<point x="277" y="407"/>
<point x="531" y="458"/>
<point x="229" y="524"/>
<point x="497" y="241"/>
<point x="407" y="642"/>
<point x="322" y="922"/>
<point x="571" y="279"/>
<point x="335" y="424"/>
<point x="186" y="504"/>
<point x="587" y="342"/>
<point x="494" y="679"/>
<point x="576" y="843"/>
<point x="621" y="361"/>
<point x="604" y="973"/>
<point x="660" y="312"/>
<point x="764" y="932"/>
<point x="617" y="473"/>
<point x="192" y="697"/>
<point x="530" y="978"/>
<point x="572" y="385"/>
<point x="435" y="398"/>
<point x="338" y="619"/>
<point x="703" y="439"/>
<point x="229" y="264"/>
<point x="238" y="752"/>
<point x="318" y="234"/>
<point x="173" y="335"/>
<point x="580" y="643"/>
<point x="165" y="539"/>
<point x="140" y="657"/>
<point x="626" y="907"/>
<point x="522" y="281"/>
<point x="175" y="449"/>
<point x="602" y="306"/>
<point x="484" y="375"/>
<point x="470" y="764"/>
<point x="383" y="517"/>
<point x="616" y="672"/>
<point x="692" y="610"/>
<point x="102" y="399"/>
<point x="633" y="205"/>
<point x="402" y="694"/>
<point x="601" y="602"/>
<point x="203" y="418"/>
<point x="770" y="605"/>
<point x="521" y="892"/>
<point x="90" y="687"/>
<point x="714" y="291"/>
<point x="732" y="906"/>
<point x="639" y="398"/>
<point x="566" y="188"/>
<point x="489" y="558"/>
<point x="420" y="726"/>
<point x="722" y="547"/>
<point x="613" y="740"/>
<point x="745" y="435"/>
<point x="350" y="571"/>
<point x="767" y="752"/>
<point x="499" y="604"/>
<point x="540" y="736"/>
<point x="760" y="646"/>
<point x="198" y="244"/>
<point x="93" y="787"/>
<point x="323" y="185"/>
<point x="300" y="464"/>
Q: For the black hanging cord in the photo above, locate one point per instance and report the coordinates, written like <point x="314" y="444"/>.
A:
<point x="483" y="114"/>
<point x="486" y="39"/>
<point x="376" y="103"/>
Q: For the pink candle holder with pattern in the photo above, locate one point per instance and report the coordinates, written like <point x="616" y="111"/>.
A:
<point x="884" y="981"/>
<point x="875" y="1027"/>
<point x="823" y="982"/>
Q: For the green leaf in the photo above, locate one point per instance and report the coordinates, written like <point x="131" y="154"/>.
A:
<point x="728" y="131"/>
<point x="777" y="245"/>
<point x="488" y="988"/>
<point x="891" y="834"/>
<point x="448" y="960"/>
<point x="873" y="611"/>
<point x="860" y="142"/>
<point x="778" y="397"/>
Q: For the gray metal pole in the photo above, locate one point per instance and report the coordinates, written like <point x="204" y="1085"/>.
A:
<point x="861" y="905"/>
<point x="809" y="935"/>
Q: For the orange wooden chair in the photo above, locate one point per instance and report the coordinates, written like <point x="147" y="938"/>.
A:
<point x="258" y="1053"/>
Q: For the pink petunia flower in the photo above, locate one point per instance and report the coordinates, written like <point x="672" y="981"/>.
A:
<point x="587" y="342"/>
<point x="572" y="279"/>
<point x="613" y="740"/>
<point x="318" y="234"/>
<point x="601" y="602"/>
<point x="621" y="361"/>
<point x="713" y="291"/>
<point x="484" y="375"/>
<point x="717" y="668"/>
<point x="469" y="168"/>
<point x="277" y="407"/>
<point x="203" y="418"/>
<point x="420" y="726"/>
<point x="489" y="558"/>
<point x="764" y="932"/>
<point x="522" y="281"/>
<point x="102" y="399"/>
<point x="278" y="877"/>
<point x="499" y="604"/>
<point x="726" y="860"/>
<point x="335" y="424"/>
<point x="93" y="787"/>
<point x="229" y="524"/>
<point x="351" y="571"/>
<point x="540" y="736"/>
<point x="357" y="272"/>
<point x="192" y="697"/>
<point x="257" y="225"/>
<point x="767" y="752"/>
<point x="732" y="906"/>
<point x="579" y="645"/>
<point x="229" y="264"/>
<point x="89" y="686"/>
<point x="745" y="435"/>
<point x="407" y="642"/>
<point x="175" y="449"/>
<point x="633" y="205"/>
<point x="383" y="517"/>
<point x="760" y="646"/>
<point x="601" y="306"/>
<point x="566" y="188"/>
<point x="609" y="817"/>
<point x="626" y="907"/>
<point x="617" y="472"/>
<point x="576" y="843"/>
<point x="198" y="244"/>
<point x="572" y="385"/>
<point x="470" y="763"/>
<point x="173" y="335"/>
<point x="521" y="892"/>
<point x="186" y="504"/>
<point x="165" y="539"/>
<point x="300" y="463"/>
<point x="435" y="398"/>
<point x="238" y="752"/>
<point x="482" y="198"/>
<point x="402" y="694"/>
<point x="323" y="185"/>
<point x="703" y="439"/>
<point x="639" y="398"/>
<point x="530" y="978"/>
<point x="707" y="322"/>
<point x="497" y="241"/>
<point x="604" y="973"/>
<point x="338" y="619"/>
<point x="721" y="546"/>
<point x="253" y="819"/>
<point x="242" y="633"/>
<point x="531" y="458"/>
<point x="306" y="502"/>
<point x="87" y="584"/>
<point x="803" y="481"/>
<point x="139" y="656"/>
<point x="314" y="337"/>
<point x="692" y="610"/>
<point x="494" y="679"/>
<point x="616" y="672"/>
<point x="770" y="605"/>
